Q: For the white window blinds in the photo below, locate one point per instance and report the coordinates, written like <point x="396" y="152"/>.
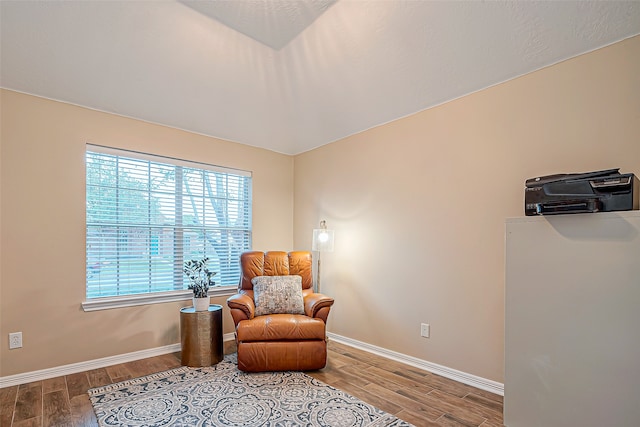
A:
<point x="146" y="215"/>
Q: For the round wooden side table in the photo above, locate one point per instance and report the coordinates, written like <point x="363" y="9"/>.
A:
<point x="201" y="336"/>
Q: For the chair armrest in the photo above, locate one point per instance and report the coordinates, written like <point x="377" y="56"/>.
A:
<point x="314" y="303"/>
<point x="242" y="307"/>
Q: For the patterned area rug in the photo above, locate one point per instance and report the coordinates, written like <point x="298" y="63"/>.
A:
<point x="222" y="395"/>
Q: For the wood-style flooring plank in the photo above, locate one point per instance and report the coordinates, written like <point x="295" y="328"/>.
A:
<point x="399" y="380"/>
<point x="8" y="397"/>
<point x="53" y="384"/>
<point x="82" y="414"/>
<point x="77" y="384"/>
<point x="387" y="380"/>
<point x="340" y="375"/>
<point x="30" y="422"/>
<point x="345" y="360"/>
<point x="449" y="386"/>
<point x="484" y="400"/>
<point x="56" y="409"/>
<point x="326" y="377"/>
<point x="170" y="361"/>
<point x="417" y="419"/>
<point x="368" y="397"/>
<point x="433" y="401"/>
<point x="144" y="367"/>
<point x="28" y="402"/>
<point x="98" y="377"/>
<point x="335" y="362"/>
<point x="428" y="411"/>
<point x="118" y="373"/>
<point x="449" y="420"/>
<point x="468" y="405"/>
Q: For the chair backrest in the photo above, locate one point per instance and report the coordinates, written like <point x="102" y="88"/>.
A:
<point x="275" y="263"/>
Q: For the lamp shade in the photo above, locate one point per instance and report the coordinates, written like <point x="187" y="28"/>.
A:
<point x="322" y="239"/>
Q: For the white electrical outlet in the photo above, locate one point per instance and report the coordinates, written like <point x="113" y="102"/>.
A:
<point x="424" y="330"/>
<point x="15" y="340"/>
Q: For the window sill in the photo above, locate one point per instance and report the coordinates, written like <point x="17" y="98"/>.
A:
<point x="106" y="303"/>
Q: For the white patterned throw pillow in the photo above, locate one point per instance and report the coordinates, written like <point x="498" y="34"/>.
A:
<point x="278" y="294"/>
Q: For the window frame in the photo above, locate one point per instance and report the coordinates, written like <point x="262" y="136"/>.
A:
<point x="136" y="299"/>
<point x="106" y="303"/>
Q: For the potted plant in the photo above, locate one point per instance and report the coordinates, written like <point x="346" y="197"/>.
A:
<point x="200" y="280"/>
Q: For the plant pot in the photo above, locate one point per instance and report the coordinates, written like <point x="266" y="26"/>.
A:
<point x="201" y="304"/>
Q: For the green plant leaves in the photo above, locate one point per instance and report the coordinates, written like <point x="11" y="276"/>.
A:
<point x="199" y="275"/>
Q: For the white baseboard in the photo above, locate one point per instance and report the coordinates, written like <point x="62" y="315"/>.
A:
<point x="463" y="377"/>
<point x="74" y="368"/>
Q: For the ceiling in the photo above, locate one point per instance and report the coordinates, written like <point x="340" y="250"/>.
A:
<point x="287" y="75"/>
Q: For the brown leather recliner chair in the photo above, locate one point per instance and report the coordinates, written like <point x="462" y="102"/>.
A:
<point x="279" y="342"/>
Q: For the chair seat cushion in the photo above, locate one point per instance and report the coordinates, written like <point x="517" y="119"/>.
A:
<point x="280" y="327"/>
<point x="261" y="356"/>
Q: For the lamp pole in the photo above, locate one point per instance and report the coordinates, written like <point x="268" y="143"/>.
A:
<point x="318" y="278"/>
<point x="322" y="241"/>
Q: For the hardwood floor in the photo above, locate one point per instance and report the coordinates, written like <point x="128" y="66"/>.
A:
<point x="416" y="396"/>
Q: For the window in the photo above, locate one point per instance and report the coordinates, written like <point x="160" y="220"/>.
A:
<point x="146" y="215"/>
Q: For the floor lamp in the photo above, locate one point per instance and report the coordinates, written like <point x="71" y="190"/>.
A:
<point x="322" y="242"/>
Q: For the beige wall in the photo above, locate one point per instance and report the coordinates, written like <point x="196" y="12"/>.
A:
<point x="419" y="204"/>
<point x="43" y="229"/>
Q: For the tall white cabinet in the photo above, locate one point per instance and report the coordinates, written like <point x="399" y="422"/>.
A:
<point x="572" y="321"/>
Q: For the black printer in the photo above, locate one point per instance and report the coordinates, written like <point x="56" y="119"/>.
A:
<point x="599" y="191"/>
